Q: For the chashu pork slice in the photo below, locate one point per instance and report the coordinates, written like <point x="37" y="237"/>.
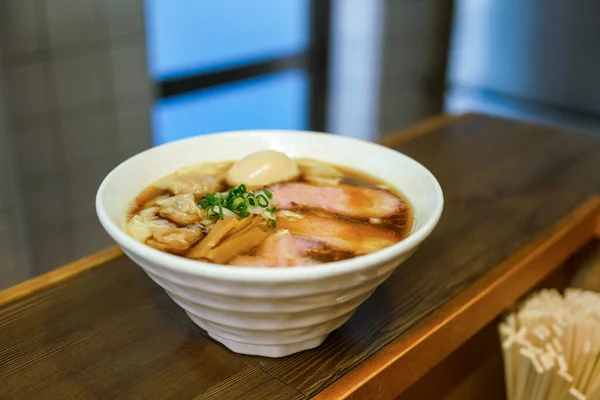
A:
<point x="359" y="238"/>
<point x="280" y="250"/>
<point x="352" y="201"/>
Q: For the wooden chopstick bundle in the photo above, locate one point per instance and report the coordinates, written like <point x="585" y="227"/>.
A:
<point x="551" y="347"/>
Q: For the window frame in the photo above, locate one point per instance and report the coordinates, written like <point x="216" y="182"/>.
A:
<point x="314" y="61"/>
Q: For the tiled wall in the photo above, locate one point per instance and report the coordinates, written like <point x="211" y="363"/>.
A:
<point x="78" y="100"/>
<point x="14" y="265"/>
<point x="414" y="54"/>
<point x="11" y="269"/>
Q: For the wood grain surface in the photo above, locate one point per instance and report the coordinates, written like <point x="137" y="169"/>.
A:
<point x="65" y="272"/>
<point x="423" y="127"/>
<point x="112" y="333"/>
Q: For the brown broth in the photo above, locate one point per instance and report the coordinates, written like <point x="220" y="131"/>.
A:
<point x="395" y="227"/>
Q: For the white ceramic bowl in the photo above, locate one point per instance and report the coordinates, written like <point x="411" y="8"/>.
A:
<point x="270" y="312"/>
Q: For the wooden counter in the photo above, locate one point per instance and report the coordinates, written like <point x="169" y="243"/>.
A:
<point x="520" y="199"/>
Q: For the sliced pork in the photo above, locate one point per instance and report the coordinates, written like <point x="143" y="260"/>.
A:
<point x="342" y="235"/>
<point x="352" y="201"/>
<point x="281" y="250"/>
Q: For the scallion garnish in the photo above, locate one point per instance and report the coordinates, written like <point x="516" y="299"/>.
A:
<point x="251" y="201"/>
<point x="237" y="203"/>
<point x="262" y="200"/>
<point x="240" y="202"/>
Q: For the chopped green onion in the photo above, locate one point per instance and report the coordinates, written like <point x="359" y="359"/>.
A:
<point x="262" y="201"/>
<point x="230" y="195"/>
<point x="238" y="200"/>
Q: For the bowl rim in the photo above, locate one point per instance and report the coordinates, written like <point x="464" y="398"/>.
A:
<point x="262" y="274"/>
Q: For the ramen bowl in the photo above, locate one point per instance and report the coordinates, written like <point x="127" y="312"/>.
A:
<point x="269" y="312"/>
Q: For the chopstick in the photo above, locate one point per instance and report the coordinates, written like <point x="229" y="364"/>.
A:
<point x="551" y="347"/>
